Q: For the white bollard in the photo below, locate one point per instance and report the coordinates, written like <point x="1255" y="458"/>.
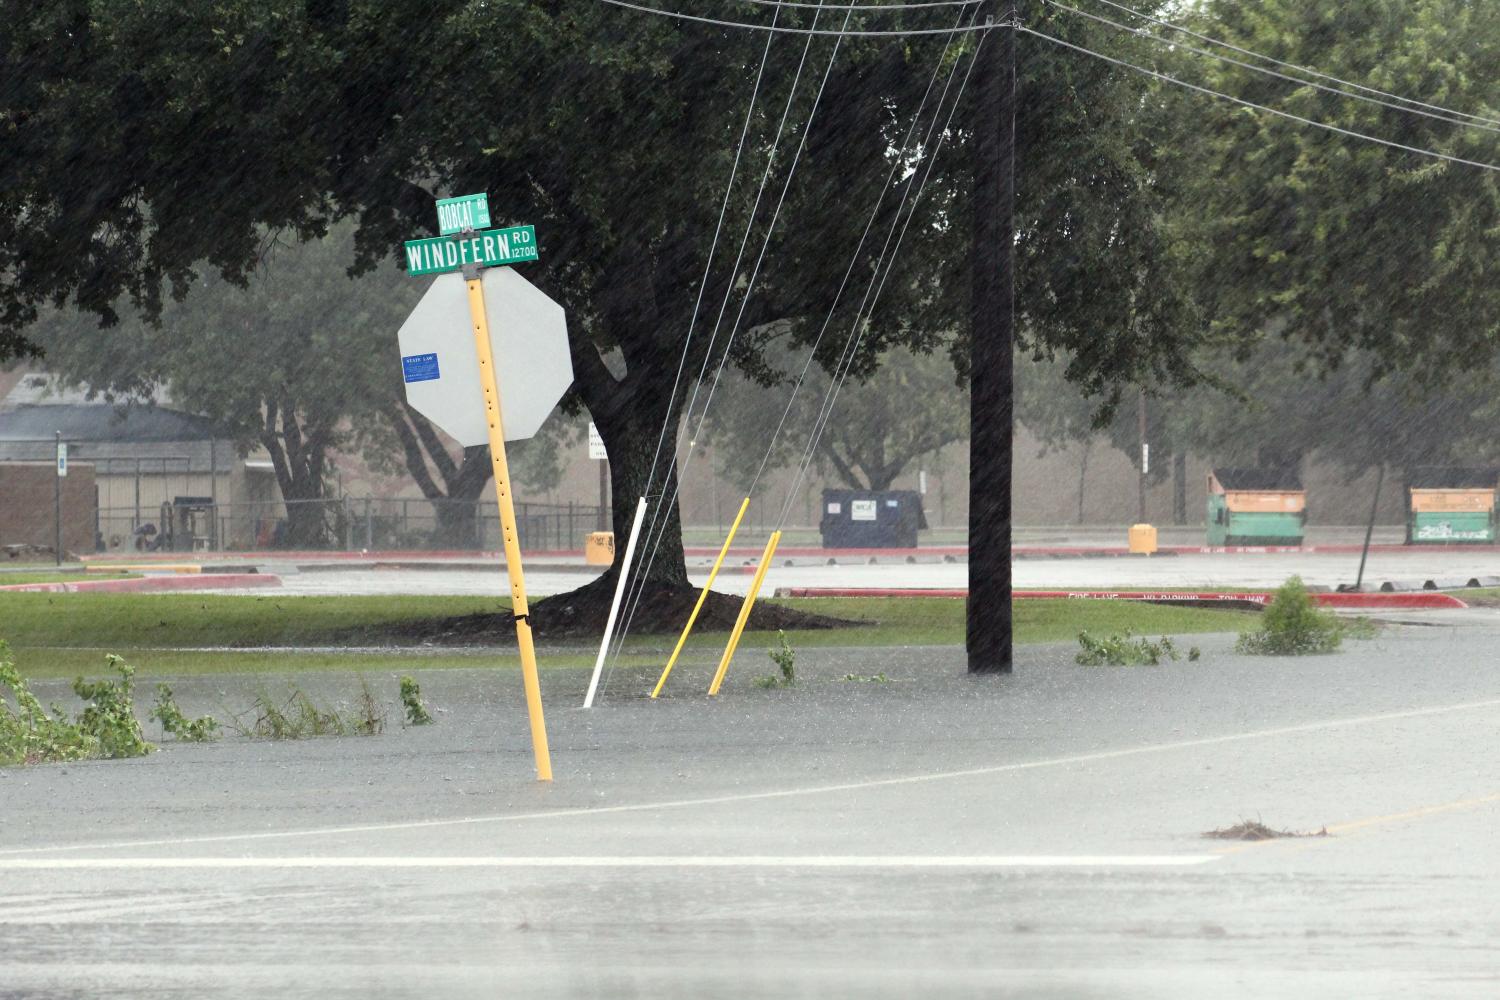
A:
<point x="614" y="608"/>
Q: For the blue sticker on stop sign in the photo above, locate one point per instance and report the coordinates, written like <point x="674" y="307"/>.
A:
<point x="420" y="367"/>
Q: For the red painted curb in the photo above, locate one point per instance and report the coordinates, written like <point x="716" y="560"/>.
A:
<point x="293" y="555"/>
<point x="816" y="550"/>
<point x="1421" y="599"/>
<point x="871" y="592"/>
<point x="208" y="581"/>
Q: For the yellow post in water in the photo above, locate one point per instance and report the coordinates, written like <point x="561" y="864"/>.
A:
<point x="491" y="385"/>
<point x="712" y="575"/>
<point x="739" y="625"/>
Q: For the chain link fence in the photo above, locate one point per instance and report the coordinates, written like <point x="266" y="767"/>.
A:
<point x="196" y="524"/>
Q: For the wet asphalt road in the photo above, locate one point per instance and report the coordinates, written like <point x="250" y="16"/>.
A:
<point x="1035" y="835"/>
<point x="1158" y="572"/>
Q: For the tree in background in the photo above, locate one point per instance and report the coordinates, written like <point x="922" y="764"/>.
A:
<point x="876" y="428"/>
<point x="1059" y="414"/>
<point x="1330" y="243"/>
<point x="284" y="363"/>
<point x="160" y="137"/>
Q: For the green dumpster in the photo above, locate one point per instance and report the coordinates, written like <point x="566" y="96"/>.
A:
<point x="1451" y="506"/>
<point x="1255" y="507"/>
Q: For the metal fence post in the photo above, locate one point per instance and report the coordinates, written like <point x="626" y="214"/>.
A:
<point x="369" y="526"/>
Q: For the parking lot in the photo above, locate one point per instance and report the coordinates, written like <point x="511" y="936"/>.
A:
<point x="548" y="575"/>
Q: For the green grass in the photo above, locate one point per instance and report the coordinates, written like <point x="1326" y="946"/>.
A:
<point x="175" y="620"/>
<point x="1059" y="621"/>
<point x="61" y="576"/>
<point x="1462" y="592"/>
<point x="62" y="635"/>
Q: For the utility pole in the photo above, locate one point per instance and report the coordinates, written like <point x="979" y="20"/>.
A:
<point x="992" y="336"/>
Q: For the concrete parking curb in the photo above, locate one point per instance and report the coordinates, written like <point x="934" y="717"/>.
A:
<point x="1427" y="599"/>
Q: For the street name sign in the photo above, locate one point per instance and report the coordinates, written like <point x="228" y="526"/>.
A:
<point x="529" y="340"/>
<point x="484" y="355"/>
<point x="468" y="211"/>
<point x="493" y="247"/>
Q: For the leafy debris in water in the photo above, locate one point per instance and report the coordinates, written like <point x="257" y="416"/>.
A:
<point x="1248" y="829"/>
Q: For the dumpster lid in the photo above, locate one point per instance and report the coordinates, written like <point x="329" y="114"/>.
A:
<point x="1452" y="477"/>
<point x="1285" y="480"/>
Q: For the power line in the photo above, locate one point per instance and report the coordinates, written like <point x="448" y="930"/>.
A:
<point x="1291" y="65"/>
<point x="636" y="586"/>
<point x="1261" y="107"/>
<point x="666" y="423"/>
<point x="734" y="330"/>
<point x="857" y="33"/>
<point x="896" y="165"/>
<point x="865" y="7"/>
<point x="1143" y="33"/>
<point x="857" y="330"/>
<point x="709" y="262"/>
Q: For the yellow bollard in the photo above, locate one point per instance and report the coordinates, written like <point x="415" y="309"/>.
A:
<point x="1142" y="539"/>
<point x="713" y="574"/>
<point x="739" y="625"/>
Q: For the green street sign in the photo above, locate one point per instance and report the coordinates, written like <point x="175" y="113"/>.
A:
<point x="468" y="211"/>
<point x="515" y="245"/>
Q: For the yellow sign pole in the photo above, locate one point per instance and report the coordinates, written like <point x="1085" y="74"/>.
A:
<point x="712" y="575"/>
<point x="739" y="625"/>
<point x="491" y="385"/>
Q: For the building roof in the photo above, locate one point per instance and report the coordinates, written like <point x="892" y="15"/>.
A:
<point x="103" y="422"/>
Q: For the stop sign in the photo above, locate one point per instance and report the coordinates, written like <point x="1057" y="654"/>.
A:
<point x="529" y="338"/>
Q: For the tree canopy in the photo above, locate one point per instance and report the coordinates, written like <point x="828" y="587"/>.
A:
<point x="159" y="138"/>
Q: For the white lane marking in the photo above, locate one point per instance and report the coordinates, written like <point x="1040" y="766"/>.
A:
<point x="714" y="800"/>
<point x="627" y="861"/>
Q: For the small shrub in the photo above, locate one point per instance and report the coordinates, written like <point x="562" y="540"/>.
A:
<point x="109" y="716"/>
<point x="785" y="657"/>
<point x="411" y="700"/>
<point x="1292" y="625"/>
<point x="1126" y="651"/>
<point x="298" y="717"/>
<point x="107" y="727"/>
<point x="31" y="735"/>
<point x="879" y="678"/>
<point x="369" y="717"/>
<point x="174" y="723"/>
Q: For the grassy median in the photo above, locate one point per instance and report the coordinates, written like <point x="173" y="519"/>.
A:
<point x="10" y="578"/>
<point x="61" y="635"/>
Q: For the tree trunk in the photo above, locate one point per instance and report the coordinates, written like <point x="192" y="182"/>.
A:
<point x="458" y="514"/>
<point x="630" y="441"/>
<point x="1179" y="488"/>
<point x="310" y="524"/>
<point x="456" y="524"/>
<point x="454" y="504"/>
<point x="299" y="464"/>
<point x="1083" y="475"/>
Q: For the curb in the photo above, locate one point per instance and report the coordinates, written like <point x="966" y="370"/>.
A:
<point x="1428" y="599"/>
<point x="149" y="584"/>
